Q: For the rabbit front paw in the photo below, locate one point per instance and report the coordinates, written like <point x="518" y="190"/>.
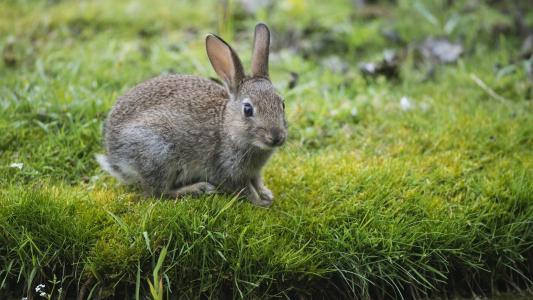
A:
<point x="263" y="203"/>
<point x="262" y="198"/>
<point x="265" y="197"/>
<point x="266" y="194"/>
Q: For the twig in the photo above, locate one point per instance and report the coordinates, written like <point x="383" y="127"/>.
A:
<point x="84" y="288"/>
<point x="487" y="89"/>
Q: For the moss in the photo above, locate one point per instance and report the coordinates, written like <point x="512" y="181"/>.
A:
<point x="373" y="201"/>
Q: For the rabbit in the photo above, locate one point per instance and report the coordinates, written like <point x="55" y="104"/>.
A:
<point x="178" y="135"/>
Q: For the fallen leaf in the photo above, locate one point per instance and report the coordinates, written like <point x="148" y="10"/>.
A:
<point x="388" y="66"/>
<point x="335" y="64"/>
<point x="441" y="50"/>
<point x="293" y="81"/>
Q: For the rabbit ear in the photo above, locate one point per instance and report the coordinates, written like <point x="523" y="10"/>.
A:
<point x="225" y="61"/>
<point x="260" y="52"/>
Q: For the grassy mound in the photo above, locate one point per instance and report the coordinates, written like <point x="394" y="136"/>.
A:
<point x="376" y="197"/>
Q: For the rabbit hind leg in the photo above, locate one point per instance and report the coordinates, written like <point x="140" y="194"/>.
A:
<point x="195" y="189"/>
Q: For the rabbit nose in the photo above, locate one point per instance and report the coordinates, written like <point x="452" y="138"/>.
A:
<point x="278" y="137"/>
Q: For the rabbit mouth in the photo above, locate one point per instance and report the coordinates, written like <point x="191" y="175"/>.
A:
<point x="268" y="144"/>
<point x="262" y="145"/>
<point x="269" y="139"/>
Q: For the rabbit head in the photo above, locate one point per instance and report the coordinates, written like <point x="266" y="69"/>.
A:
<point x="254" y="114"/>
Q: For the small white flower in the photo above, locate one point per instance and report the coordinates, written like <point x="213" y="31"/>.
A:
<point x="353" y="112"/>
<point x="39" y="287"/>
<point x="24" y="298"/>
<point x="17" y="165"/>
<point x="406" y="104"/>
<point x="43" y="294"/>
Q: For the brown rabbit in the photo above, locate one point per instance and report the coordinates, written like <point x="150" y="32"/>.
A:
<point x="182" y="134"/>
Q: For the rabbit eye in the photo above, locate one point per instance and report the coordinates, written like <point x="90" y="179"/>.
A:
<point x="248" y="110"/>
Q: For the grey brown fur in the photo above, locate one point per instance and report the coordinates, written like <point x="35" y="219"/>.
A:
<point x="177" y="135"/>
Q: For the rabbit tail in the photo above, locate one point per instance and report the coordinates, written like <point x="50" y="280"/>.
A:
<point x="120" y="171"/>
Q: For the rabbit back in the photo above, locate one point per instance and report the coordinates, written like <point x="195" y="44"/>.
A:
<point x="164" y="130"/>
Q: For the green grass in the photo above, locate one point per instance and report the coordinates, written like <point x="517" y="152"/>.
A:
<point x="371" y="201"/>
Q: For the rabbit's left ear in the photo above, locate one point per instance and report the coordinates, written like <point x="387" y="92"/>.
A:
<point x="225" y="62"/>
<point x="260" y="52"/>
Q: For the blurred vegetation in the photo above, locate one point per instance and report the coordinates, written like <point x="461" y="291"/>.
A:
<point x="403" y="175"/>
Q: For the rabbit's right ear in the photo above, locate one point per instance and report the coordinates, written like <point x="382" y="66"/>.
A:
<point x="260" y="52"/>
<point x="225" y="62"/>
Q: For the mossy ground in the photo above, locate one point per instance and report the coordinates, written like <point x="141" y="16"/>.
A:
<point x="373" y="200"/>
